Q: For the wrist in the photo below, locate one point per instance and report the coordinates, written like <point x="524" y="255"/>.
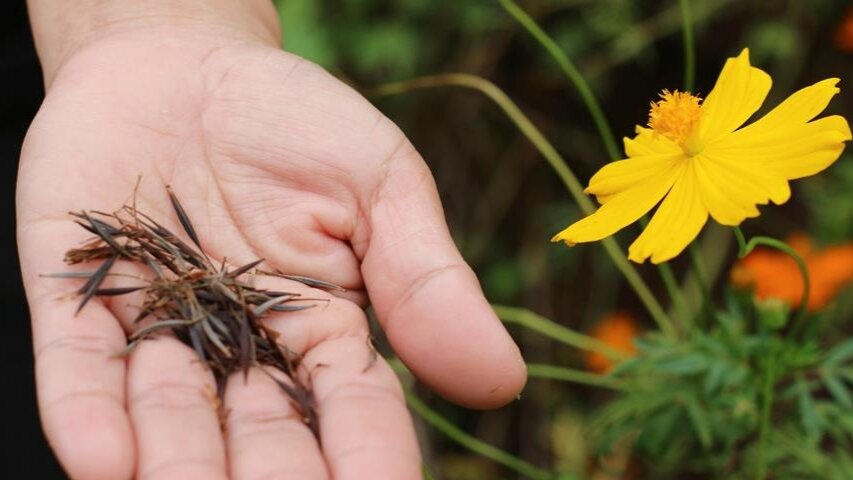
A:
<point x="63" y="28"/>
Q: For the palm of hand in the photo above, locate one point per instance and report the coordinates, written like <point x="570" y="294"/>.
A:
<point x="273" y="159"/>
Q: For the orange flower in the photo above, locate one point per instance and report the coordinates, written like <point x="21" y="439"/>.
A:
<point x="618" y="331"/>
<point x="772" y="274"/>
<point x="844" y="34"/>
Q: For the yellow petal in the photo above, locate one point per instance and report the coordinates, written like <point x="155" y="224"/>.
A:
<point x="749" y="182"/>
<point x="727" y="197"/>
<point x="802" y="106"/>
<point x="619" y="176"/>
<point x="622" y="209"/>
<point x="739" y="92"/>
<point x="675" y="224"/>
<point x="647" y="142"/>
<point x="790" y="151"/>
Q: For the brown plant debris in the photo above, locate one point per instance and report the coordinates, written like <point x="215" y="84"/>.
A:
<point x="215" y="311"/>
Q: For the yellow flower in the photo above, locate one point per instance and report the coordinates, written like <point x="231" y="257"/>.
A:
<point x="695" y="157"/>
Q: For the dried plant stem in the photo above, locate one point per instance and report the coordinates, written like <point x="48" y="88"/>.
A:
<point x="614" y="251"/>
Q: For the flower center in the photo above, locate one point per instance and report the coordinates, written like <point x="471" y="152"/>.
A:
<point x="676" y="116"/>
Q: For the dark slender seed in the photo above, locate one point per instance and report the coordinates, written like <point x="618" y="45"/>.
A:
<point x="245" y="268"/>
<point x="220" y="326"/>
<point x="276" y="293"/>
<point x="214" y="338"/>
<point x="185" y="222"/>
<point x="291" y="308"/>
<point x="262" y="308"/>
<point x="67" y="275"/>
<point x="195" y="338"/>
<point x="113" y="292"/>
<point x="159" y="325"/>
<point x="183" y="217"/>
<point x="87" y="227"/>
<point x="105" y="235"/>
<point x="94" y="282"/>
<point x="126" y="350"/>
<point x="312" y="282"/>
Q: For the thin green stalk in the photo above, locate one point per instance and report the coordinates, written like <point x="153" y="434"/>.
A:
<point x="555" y="331"/>
<point x="585" y="92"/>
<point x="571" y="71"/>
<point x="766" y="410"/>
<point x="689" y="55"/>
<point x="745" y="247"/>
<point x="476" y="445"/>
<point x="676" y="295"/>
<point x="700" y="275"/>
<point x="672" y="289"/>
<point x="557" y="163"/>
<point x="538" y="370"/>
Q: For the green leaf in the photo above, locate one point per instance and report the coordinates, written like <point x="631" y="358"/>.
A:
<point x="840" y="353"/>
<point x="683" y="365"/>
<point x="305" y="32"/>
<point x="714" y="377"/>
<point x="810" y="419"/>
<point x="661" y="428"/>
<point x="699" y="421"/>
<point x="837" y="389"/>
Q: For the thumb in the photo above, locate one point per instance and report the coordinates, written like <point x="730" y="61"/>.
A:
<point x="427" y="299"/>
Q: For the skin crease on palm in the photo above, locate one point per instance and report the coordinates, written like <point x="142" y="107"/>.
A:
<point x="273" y="158"/>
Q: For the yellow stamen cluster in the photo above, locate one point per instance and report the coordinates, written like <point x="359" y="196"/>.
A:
<point x="675" y="115"/>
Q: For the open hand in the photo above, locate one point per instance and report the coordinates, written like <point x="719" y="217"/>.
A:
<point x="273" y="158"/>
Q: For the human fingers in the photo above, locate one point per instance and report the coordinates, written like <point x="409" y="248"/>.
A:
<point x="427" y="298"/>
<point x="79" y="381"/>
<point x="364" y="425"/>
<point x="366" y="429"/>
<point x="266" y="435"/>
<point x="173" y="406"/>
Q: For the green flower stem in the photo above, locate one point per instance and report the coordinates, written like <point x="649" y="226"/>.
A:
<point x="676" y="295"/>
<point x="555" y="331"/>
<point x="538" y="370"/>
<point x="673" y="289"/>
<point x="571" y="71"/>
<point x="766" y="410"/>
<point x="453" y="432"/>
<point x="425" y="471"/>
<point x="476" y="445"/>
<point x="745" y="247"/>
<point x="689" y="55"/>
<point x="557" y="163"/>
<point x="604" y="130"/>
<point x="700" y="276"/>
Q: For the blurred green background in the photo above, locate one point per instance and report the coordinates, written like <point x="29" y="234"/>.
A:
<point x="503" y="202"/>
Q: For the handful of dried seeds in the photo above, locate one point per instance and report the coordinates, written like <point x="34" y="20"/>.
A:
<point x="214" y="310"/>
